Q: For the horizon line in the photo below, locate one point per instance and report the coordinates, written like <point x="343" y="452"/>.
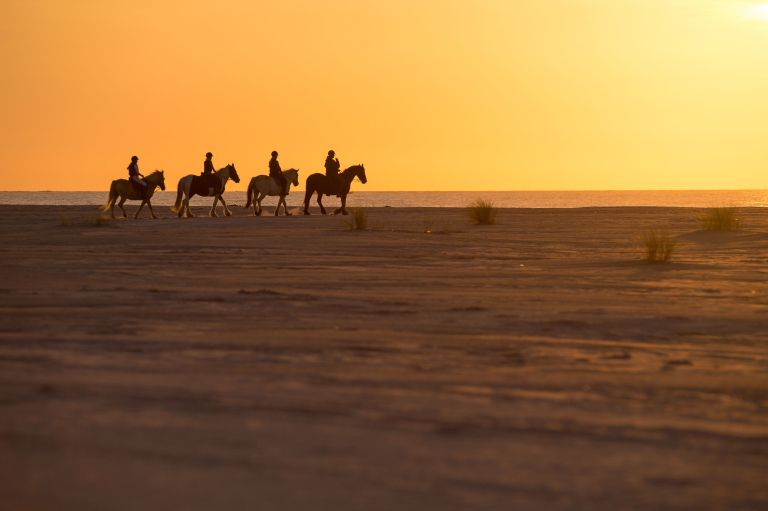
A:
<point x="465" y="191"/>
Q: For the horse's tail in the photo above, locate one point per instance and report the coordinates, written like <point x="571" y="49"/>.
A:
<point x="249" y="194"/>
<point x="310" y="189"/>
<point x="179" y="195"/>
<point x="111" y="198"/>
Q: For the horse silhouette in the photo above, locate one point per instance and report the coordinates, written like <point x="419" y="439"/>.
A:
<point x="263" y="185"/>
<point x="124" y="189"/>
<point x="192" y="185"/>
<point x="322" y="185"/>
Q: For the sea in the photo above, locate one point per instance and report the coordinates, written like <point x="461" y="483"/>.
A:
<point x="511" y="199"/>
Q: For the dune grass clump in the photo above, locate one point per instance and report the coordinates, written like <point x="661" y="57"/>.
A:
<point x="658" y="246"/>
<point x="482" y="212"/>
<point x="358" y="220"/>
<point x="720" y="219"/>
<point x="98" y="221"/>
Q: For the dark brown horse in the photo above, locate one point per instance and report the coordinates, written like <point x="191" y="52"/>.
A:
<point x="322" y="185"/>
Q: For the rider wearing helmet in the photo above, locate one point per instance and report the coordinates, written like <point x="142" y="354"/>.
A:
<point x="208" y="173"/>
<point x="276" y="173"/>
<point x="332" y="167"/>
<point x="135" y="176"/>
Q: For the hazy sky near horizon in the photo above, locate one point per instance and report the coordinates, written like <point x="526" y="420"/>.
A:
<point x="429" y="94"/>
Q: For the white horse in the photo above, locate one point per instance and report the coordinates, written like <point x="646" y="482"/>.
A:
<point x="198" y="185"/>
<point x="126" y="190"/>
<point x="265" y="185"/>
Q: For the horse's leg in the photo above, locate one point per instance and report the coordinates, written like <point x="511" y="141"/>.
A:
<point x="112" y="209"/>
<point x="122" y="201"/>
<point x="257" y="203"/>
<point x="227" y="212"/>
<point x="285" y="208"/>
<point x="212" y="213"/>
<point x="320" y="203"/>
<point x="154" y="217"/>
<point x="141" y="206"/>
<point x="280" y="200"/>
<point x="187" y="212"/>
<point x="262" y="196"/>
<point x="344" y="204"/>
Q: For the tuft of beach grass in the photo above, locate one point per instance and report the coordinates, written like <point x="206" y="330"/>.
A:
<point x="358" y="220"/>
<point x="658" y="246"/>
<point x="98" y="221"/>
<point x="482" y="212"/>
<point x="720" y="219"/>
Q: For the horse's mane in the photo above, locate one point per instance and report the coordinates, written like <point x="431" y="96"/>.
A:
<point x="351" y="168"/>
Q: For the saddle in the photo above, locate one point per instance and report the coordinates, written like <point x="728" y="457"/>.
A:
<point x="203" y="185"/>
<point x="141" y="191"/>
<point x="136" y="186"/>
<point x="278" y="184"/>
<point x="334" y="185"/>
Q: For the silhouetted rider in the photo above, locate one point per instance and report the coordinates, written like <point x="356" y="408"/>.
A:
<point x="332" y="167"/>
<point x="276" y="173"/>
<point x="208" y="173"/>
<point x="135" y="176"/>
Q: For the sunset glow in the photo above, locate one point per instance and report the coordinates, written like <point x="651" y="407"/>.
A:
<point x="758" y="11"/>
<point x="429" y="95"/>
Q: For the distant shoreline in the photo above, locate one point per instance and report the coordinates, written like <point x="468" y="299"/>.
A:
<point x="363" y="198"/>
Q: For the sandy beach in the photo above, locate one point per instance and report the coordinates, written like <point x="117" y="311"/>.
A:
<point x="426" y="363"/>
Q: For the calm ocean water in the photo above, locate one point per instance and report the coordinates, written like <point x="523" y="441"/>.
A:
<point x="677" y="198"/>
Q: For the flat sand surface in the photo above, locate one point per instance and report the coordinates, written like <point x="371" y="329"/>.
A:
<point x="290" y="363"/>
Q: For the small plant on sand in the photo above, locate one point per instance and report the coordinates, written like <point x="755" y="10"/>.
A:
<point x="720" y="219"/>
<point x="98" y="221"/>
<point x="358" y="220"/>
<point x="658" y="246"/>
<point x="482" y="212"/>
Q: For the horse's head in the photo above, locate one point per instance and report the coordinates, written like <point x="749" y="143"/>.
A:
<point x="360" y="173"/>
<point x="233" y="173"/>
<point x="355" y="171"/>
<point x="292" y="175"/>
<point x="157" y="178"/>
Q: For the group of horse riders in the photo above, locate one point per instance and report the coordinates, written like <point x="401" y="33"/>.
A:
<point x="332" y="167"/>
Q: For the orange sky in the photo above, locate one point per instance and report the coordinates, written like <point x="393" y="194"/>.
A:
<point x="429" y="94"/>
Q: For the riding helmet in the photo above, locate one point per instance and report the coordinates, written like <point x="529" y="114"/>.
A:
<point x="274" y="153"/>
<point x="134" y="158"/>
<point x="331" y="153"/>
<point x="209" y="154"/>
